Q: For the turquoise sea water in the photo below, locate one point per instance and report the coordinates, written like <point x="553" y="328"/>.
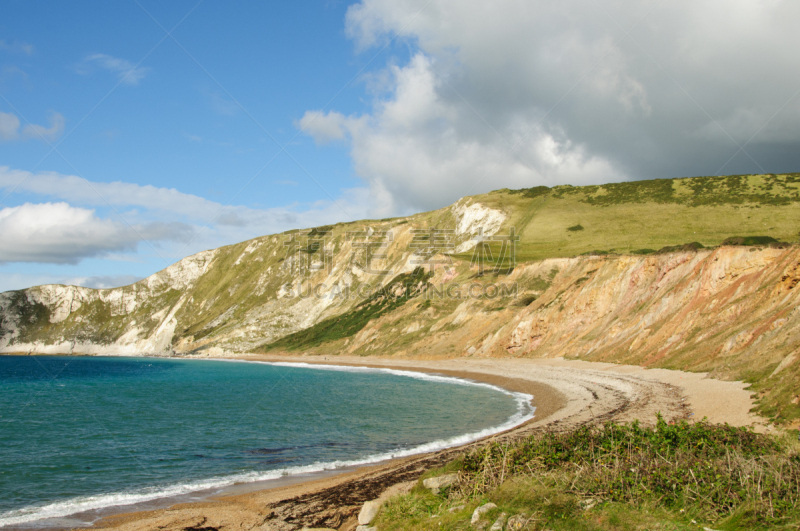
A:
<point x="82" y="433"/>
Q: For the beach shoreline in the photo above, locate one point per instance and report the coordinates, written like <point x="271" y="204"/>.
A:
<point x="566" y="394"/>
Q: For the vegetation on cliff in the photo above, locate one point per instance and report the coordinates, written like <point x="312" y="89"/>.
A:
<point x="626" y="217"/>
<point x="670" y="476"/>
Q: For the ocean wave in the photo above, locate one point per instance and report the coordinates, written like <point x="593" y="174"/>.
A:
<point x="525" y="412"/>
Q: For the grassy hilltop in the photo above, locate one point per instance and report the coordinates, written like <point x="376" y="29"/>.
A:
<point x="642" y="217"/>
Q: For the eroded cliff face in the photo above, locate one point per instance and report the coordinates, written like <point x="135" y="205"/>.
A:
<point x="693" y="309"/>
<point x="712" y="310"/>
<point x="731" y="311"/>
<point x="689" y="307"/>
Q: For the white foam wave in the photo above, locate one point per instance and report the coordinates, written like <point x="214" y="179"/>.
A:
<point x="525" y="412"/>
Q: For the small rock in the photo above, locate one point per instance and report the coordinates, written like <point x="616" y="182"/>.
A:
<point x="439" y="482"/>
<point x="368" y="512"/>
<point x="588" y="504"/>
<point x="480" y="511"/>
<point x="366" y="528"/>
<point x="516" y="522"/>
<point x="498" y="524"/>
<point x="456" y="508"/>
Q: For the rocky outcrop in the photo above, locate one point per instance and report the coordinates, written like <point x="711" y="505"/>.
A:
<point x="368" y="512"/>
<point x="693" y="308"/>
<point x="436" y="484"/>
<point x="475" y="220"/>
<point x="478" y="513"/>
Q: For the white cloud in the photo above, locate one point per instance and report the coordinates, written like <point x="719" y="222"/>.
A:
<point x="15" y="46"/>
<point x="156" y="214"/>
<point x="41" y="132"/>
<point x="418" y="150"/>
<point x="58" y="233"/>
<point x="10" y="128"/>
<point x="76" y="189"/>
<point x="127" y="72"/>
<point x="171" y="204"/>
<point x="511" y="93"/>
<point x="323" y="127"/>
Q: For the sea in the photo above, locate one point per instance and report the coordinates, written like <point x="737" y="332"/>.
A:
<point x="80" y="435"/>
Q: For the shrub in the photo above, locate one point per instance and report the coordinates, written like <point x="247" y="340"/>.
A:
<point x="531" y="193"/>
<point x="749" y="240"/>
<point x="524" y="301"/>
<point x="694" y="246"/>
<point x="711" y="470"/>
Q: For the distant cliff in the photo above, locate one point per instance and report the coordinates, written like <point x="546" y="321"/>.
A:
<point x="233" y="298"/>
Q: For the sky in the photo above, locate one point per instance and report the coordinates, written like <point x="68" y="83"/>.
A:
<point x="136" y="133"/>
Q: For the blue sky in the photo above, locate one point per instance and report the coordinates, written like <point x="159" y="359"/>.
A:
<point x="133" y="134"/>
<point x="206" y="112"/>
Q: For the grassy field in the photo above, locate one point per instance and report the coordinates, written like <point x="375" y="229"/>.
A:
<point x="617" y="477"/>
<point x="645" y="216"/>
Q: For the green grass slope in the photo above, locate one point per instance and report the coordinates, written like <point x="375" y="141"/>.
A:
<point x="645" y="216"/>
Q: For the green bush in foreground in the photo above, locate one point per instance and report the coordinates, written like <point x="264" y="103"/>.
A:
<point x="671" y="476"/>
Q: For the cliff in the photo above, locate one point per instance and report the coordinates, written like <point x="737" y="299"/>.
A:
<point x="581" y="279"/>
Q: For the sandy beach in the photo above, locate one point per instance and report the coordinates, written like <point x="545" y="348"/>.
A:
<point x="566" y="394"/>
